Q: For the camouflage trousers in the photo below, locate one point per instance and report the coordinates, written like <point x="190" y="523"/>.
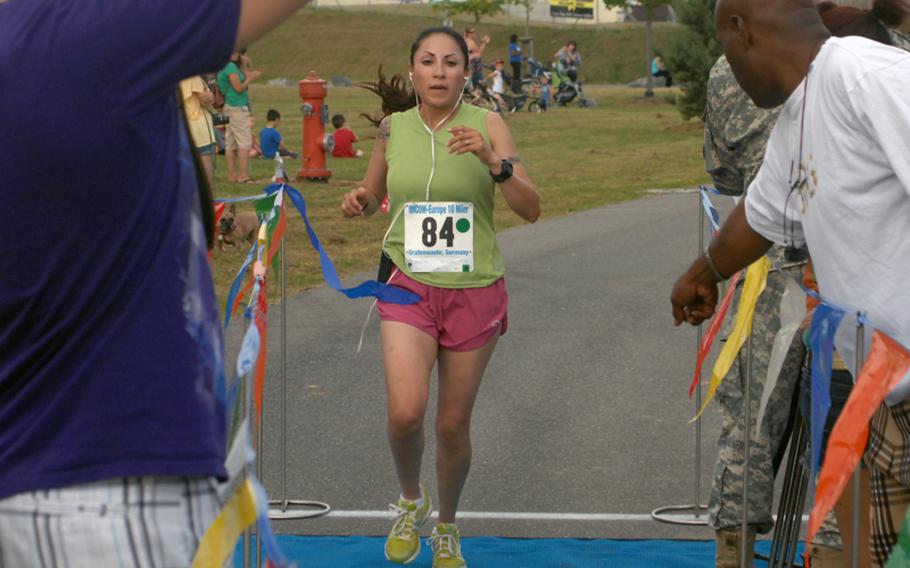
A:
<point x="725" y="506"/>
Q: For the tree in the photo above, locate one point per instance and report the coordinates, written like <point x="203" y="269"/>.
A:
<point x="479" y="8"/>
<point x="528" y="5"/>
<point x="691" y="54"/>
<point x="650" y="7"/>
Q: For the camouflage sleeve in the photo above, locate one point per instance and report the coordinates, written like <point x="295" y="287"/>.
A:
<point x="720" y="162"/>
<point x="900" y="39"/>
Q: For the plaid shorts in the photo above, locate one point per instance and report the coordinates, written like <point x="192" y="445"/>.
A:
<point x="129" y="522"/>
<point x="888" y="455"/>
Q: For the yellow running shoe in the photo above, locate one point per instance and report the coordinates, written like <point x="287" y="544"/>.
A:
<point x="403" y="544"/>
<point x="446" y="544"/>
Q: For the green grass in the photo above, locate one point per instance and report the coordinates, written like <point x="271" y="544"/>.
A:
<point x="578" y="158"/>
<point x="354" y="43"/>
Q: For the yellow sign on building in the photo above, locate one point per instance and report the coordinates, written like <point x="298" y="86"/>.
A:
<point x="572" y="9"/>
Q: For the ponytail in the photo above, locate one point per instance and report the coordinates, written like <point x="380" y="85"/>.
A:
<point x="395" y="95"/>
<point x="394" y="92"/>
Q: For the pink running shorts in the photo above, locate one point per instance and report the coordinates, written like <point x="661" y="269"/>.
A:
<point x="459" y="319"/>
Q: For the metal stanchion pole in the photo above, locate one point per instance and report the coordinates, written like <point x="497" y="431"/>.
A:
<point x="662" y="514"/>
<point x="858" y="363"/>
<point x="696" y="504"/>
<point x="747" y="434"/>
<point x="260" y="427"/>
<point x="247" y="401"/>
<point x="311" y="508"/>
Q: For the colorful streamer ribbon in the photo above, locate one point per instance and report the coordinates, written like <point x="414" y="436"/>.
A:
<point x="218" y="542"/>
<point x="825" y="322"/>
<point x="711" y="334"/>
<point x="887" y="364"/>
<point x="710" y="211"/>
<point x="756" y="278"/>
<point x="792" y="314"/>
<point x="384" y="292"/>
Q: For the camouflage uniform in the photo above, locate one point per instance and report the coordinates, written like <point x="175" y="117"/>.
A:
<point x="736" y="132"/>
<point x="900" y="39"/>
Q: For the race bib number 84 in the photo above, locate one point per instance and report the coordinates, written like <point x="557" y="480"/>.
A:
<point x="439" y="236"/>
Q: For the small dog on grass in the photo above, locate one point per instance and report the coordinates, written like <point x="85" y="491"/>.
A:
<point x="235" y="228"/>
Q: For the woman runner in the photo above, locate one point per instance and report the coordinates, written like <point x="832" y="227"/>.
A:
<point x="440" y="161"/>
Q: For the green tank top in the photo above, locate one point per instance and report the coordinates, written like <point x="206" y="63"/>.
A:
<point x="457" y="178"/>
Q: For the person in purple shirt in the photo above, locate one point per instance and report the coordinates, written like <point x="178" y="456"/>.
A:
<point x="112" y="422"/>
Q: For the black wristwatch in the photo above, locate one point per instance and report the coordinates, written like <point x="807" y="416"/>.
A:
<point x="504" y="174"/>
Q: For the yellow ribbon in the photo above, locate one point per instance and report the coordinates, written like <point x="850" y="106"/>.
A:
<point x="756" y="278"/>
<point x="219" y="540"/>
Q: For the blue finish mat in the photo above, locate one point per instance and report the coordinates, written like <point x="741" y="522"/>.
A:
<point x="495" y="552"/>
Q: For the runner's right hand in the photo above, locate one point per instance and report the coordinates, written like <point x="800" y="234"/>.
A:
<point x="357" y="202"/>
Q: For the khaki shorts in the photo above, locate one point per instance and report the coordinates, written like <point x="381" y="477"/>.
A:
<point x="237" y="134"/>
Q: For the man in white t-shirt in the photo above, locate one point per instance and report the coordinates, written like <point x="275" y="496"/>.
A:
<point x="836" y="177"/>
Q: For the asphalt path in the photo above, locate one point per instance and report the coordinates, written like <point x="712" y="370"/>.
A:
<point x="581" y="426"/>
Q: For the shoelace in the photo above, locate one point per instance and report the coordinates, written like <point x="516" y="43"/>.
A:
<point x="404" y="521"/>
<point x="444" y="545"/>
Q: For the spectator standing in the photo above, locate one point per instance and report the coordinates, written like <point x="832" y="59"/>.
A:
<point x="475" y="55"/>
<point x="197" y="100"/>
<point x="499" y="86"/>
<point x="545" y="93"/>
<point x="736" y="133"/>
<point x="234" y="83"/>
<point x="835" y="177"/>
<point x="112" y="426"/>
<point x="515" y="61"/>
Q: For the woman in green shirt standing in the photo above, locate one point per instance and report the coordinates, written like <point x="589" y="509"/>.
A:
<point x="234" y="84"/>
<point x="439" y="161"/>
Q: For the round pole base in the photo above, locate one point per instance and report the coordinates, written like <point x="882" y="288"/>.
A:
<point x="297" y="509"/>
<point x="690" y="515"/>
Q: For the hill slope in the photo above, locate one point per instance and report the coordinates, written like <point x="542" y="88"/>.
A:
<point x="355" y="42"/>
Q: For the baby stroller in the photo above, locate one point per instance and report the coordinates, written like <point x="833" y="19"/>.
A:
<point x="569" y="90"/>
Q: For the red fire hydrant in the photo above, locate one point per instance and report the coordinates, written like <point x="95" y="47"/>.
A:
<point x="316" y="142"/>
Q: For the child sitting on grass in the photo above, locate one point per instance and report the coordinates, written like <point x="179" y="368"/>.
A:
<point x="344" y="139"/>
<point x="270" y="141"/>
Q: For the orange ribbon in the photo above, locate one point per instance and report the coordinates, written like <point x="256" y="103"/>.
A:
<point x="887" y="364"/>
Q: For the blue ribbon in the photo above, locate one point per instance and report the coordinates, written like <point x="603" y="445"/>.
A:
<point x="825" y="322"/>
<point x="861" y="317"/>
<point x="236" y="284"/>
<point x="713" y="215"/>
<point x="710" y="188"/>
<point x="383" y="292"/>
<point x="269" y="542"/>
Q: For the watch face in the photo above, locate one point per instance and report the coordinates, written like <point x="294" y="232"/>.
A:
<point x="505" y="173"/>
